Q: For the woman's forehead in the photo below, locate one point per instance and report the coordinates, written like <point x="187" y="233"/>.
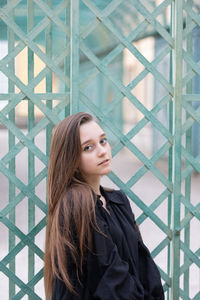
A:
<point x="90" y="130"/>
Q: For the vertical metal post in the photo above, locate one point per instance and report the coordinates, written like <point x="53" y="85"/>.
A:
<point x="31" y="159"/>
<point x="177" y="61"/>
<point x="189" y="149"/>
<point x="11" y="142"/>
<point x="120" y="109"/>
<point x="74" y="56"/>
<point x="67" y="61"/>
<point x="49" y="79"/>
<point x="170" y="150"/>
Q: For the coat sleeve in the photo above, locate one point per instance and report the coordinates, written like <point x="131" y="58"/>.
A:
<point x="108" y="274"/>
<point x="149" y="273"/>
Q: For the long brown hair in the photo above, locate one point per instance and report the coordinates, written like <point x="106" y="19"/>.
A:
<point x="71" y="205"/>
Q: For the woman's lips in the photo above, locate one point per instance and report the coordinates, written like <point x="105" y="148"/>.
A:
<point x="104" y="162"/>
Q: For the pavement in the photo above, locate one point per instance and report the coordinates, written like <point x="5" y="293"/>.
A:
<point x="148" y="188"/>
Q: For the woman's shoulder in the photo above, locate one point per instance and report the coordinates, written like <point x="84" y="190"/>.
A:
<point x="107" y="189"/>
<point x="116" y="196"/>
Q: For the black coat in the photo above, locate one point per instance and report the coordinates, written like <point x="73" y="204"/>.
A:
<point x="119" y="267"/>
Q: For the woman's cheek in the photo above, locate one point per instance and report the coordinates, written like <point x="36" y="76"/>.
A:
<point x="86" y="162"/>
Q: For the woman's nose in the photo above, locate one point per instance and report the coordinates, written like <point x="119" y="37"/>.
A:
<point x="101" y="150"/>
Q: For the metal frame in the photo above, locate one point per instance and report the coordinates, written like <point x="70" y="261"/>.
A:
<point x="64" y="64"/>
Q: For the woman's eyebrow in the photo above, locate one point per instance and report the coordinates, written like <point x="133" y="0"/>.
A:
<point x="103" y="134"/>
<point x="88" y="141"/>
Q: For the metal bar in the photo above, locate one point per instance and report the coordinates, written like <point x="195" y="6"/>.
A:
<point x="74" y="56"/>
<point x="189" y="149"/>
<point x="177" y="127"/>
<point x="170" y="161"/>
<point x="11" y="136"/>
<point x="67" y="60"/>
<point x="41" y="96"/>
<point x="49" y="78"/>
<point x="31" y="158"/>
<point x="191" y="97"/>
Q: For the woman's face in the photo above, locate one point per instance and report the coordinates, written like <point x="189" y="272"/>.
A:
<point x="96" y="152"/>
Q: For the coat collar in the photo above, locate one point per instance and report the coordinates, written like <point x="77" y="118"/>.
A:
<point x="112" y="195"/>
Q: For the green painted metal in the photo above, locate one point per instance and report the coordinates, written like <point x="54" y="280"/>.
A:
<point x="175" y="253"/>
<point x="80" y="44"/>
<point x="11" y="164"/>
<point x="74" y="62"/>
<point x="189" y="149"/>
<point x="170" y="164"/>
<point x="31" y="159"/>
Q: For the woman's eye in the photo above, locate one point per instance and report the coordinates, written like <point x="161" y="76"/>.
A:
<point x="103" y="141"/>
<point x="87" y="148"/>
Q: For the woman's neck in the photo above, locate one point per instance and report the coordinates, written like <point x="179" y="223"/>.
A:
<point x="96" y="189"/>
<point x="95" y="185"/>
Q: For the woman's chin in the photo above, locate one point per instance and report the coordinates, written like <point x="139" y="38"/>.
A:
<point x="106" y="171"/>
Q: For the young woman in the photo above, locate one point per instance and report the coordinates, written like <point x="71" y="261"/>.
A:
<point x="93" y="248"/>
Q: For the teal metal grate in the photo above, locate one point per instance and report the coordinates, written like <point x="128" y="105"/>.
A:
<point x="63" y="36"/>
